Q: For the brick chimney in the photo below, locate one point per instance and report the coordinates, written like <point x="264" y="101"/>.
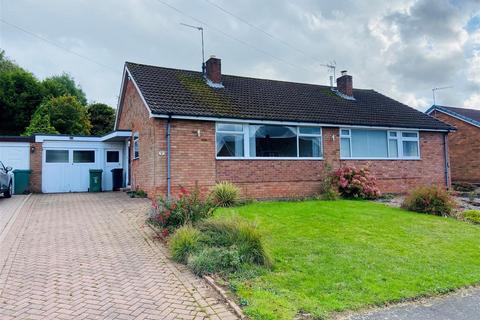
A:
<point x="214" y="70"/>
<point x="345" y="84"/>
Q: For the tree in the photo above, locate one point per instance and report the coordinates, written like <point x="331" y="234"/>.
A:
<point x="63" y="85"/>
<point x="6" y="64"/>
<point x="66" y="115"/>
<point x="102" y="118"/>
<point x="20" y="95"/>
<point x="40" y="124"/>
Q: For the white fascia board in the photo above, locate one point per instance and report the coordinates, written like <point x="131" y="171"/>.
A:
<point x="139" y="92"/>
<point x="121" y="97"/>
<point x="42" y="138"/>
<point x="292" y="123"/>
<point x="117" y="134"/>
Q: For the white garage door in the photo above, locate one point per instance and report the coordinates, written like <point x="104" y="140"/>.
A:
<point x="68" y="169"/>
<point x="15" y="154"/>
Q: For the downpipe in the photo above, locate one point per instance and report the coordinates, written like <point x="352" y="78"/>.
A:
<point x="169" y="177"/>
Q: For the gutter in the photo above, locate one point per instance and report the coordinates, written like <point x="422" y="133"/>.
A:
<point x="169" y="176"/>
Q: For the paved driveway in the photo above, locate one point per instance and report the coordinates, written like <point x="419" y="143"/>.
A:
<point x="8" y="208"/>
<point x="88" y="256"/>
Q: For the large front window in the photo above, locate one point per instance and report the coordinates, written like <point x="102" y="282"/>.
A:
<point x="268" y="141"/>
<point x="378" y="144"/>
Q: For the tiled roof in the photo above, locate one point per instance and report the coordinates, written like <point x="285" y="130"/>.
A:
<point x="181" y="92"/>
<point x="468" y="114"/>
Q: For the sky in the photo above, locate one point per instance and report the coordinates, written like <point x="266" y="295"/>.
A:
<point x="401" y="48"/>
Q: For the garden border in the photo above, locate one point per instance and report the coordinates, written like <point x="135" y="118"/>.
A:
<point x="211" y="282"/>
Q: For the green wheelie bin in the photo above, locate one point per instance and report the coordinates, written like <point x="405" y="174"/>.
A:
<point x="95" y="180"/>
<point x="21" y="181"/>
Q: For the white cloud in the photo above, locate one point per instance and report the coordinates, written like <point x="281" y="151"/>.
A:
<point x="400" y="48"/>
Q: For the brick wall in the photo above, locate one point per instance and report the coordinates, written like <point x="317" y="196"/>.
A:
<point x="36" y="167"/>
<point x="464" y="149"/>
<point x="193" y="160"/>
<point x="149" y="171"/>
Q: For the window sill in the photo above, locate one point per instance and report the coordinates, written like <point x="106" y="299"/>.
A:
<point x="382" y="159"/>
<point x="267" y="158"/>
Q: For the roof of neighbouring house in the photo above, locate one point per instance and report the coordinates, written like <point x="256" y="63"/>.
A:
<point x="178" y="92"/>
<point x="471" y="116"/>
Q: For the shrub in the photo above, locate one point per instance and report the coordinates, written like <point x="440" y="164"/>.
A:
<point x="170" y="214"/>
<point x="472" y="216"/>
<point x="356" y="183"/>
<point x="139" y="193"/>
<point x="328" y="186"/>
<point x="463" y="186"/>
<point x="234" y="231"/>
<point x="184" y="242"/>
<point x="431" y="200"/>
<point x="225" y="194"/>
<point x="214" y="260"/>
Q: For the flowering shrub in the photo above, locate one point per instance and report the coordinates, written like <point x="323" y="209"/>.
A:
<point x="431" y="200"/>
<point x="356" y="183"/>
<point x="170" y="214"/>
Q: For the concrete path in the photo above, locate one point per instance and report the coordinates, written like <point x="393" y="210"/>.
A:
<point x="462" y="305"/>
<point x="89" y="256"/>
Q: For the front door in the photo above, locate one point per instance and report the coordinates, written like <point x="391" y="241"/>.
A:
<point x="113" y="160"/>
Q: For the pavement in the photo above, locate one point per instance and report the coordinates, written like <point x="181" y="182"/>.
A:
<point x="90" y="256"/>
<point x="462" y="305"/>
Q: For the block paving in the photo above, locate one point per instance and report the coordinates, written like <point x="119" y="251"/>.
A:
<point x="90" y="256"/>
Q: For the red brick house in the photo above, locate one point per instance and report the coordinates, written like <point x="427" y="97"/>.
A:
<point x="271" y="138"/>
<point x="464" y="144"/>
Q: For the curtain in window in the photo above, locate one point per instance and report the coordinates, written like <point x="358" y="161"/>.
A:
<point x="369" y="143"/>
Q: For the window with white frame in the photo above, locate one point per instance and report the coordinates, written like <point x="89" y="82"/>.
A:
<point x="136" y="147"/>
<point x="379" y="144"/>
<point x="235" y="140"/>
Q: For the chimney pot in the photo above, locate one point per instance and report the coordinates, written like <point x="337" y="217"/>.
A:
<point x="214" y="70"/>
<point x="345" y="84"/>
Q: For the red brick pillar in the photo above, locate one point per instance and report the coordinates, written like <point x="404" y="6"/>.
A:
<point x="36" y="151"/>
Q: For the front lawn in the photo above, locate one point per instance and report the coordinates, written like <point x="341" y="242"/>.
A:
<point x="338" y="255"/>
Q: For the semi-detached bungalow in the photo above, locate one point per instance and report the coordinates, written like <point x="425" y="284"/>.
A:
<point x="271" y="138"/>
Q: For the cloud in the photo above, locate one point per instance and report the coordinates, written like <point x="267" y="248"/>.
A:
<point x="400" y="48"/>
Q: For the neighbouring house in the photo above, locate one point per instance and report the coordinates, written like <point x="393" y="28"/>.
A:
<point x="464" y="144"/>
<point x="271" y="138"/>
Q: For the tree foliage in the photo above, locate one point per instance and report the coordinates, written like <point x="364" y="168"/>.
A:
<point x="102" y="118"/>
<point x="20" y="95"/>
<point x="63" y="85"/>
<point x="66" y="115"/>
<point x="40" y="124"/>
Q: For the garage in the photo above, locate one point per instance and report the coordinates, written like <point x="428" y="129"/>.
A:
<point x="67" y="161"/>
<point x="15" y="152"/>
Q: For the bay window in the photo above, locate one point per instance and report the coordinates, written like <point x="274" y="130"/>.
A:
<point x="378" y="144"/>
<point x="267" y="141"/>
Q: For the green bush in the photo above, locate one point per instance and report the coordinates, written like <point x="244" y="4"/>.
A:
<point x="214" y="260"/>
<point x="431" y="200"/>
<point x="472" y="216"/>
<point x="225" y="194"/>
<point x="241" y="233"/>
<point x="184" y="242"/>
